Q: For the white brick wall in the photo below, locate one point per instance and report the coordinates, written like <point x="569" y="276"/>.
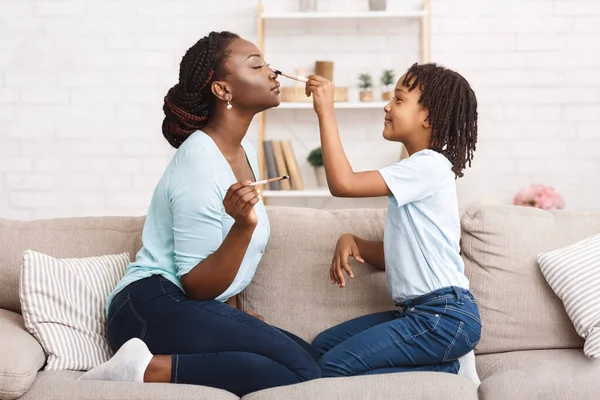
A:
<point x="82" y="82"/>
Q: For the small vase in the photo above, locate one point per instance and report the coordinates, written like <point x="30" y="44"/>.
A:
<point x="307" y="5"/>
<point x="386" y="96"/>
<point x="321" y="177"/>
<point x="366" y="95"/>
<point x="377" y="5"/>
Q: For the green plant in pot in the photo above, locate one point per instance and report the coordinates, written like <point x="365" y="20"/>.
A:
<point x="377" y="5"/>
<point x="365" y="83"/>
<point x="315" y="159"/>
<point x="387" y="80"/>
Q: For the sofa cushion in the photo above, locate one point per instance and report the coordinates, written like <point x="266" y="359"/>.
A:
<point x="500" y="244"/>
<point x="292" y="288"/>
<point x="573" y="272"/>
<point x="407" y="385"/>
<point x="63" y="385"/>
<point x="21" y="356"/>
<point x="539" y="374"/>
<point x="65" y="237"/>
<point x="63" y="303"/>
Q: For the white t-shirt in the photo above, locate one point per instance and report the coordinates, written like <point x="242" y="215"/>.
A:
<point x="422" y="227"/>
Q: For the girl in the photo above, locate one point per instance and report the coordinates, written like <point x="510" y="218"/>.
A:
<point x="173" y="316"/>
<point x="434" y="115"/>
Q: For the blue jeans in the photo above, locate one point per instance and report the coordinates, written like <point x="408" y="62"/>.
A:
<point x="428" y="333"/>
<point x="210" y="343"/>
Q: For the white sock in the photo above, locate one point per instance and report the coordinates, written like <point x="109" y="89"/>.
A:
<point x="128" y="364"/>
<point x="468" y="369"/>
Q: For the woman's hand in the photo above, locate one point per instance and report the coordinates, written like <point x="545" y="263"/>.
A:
<point x="239" y="204"/>
<point x="346" y="247"/>
<point x="255" y="315"/>
<point x="322" y="91"/>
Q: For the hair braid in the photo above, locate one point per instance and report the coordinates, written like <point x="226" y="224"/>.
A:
<point x="189" y="104"/>
<point x="452" y="107"/>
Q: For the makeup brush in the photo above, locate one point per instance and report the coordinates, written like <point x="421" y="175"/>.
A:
<point x="279" y="178"/>
<point x="290" y="76"/>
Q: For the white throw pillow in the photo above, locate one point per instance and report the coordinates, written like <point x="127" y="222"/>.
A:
<point x="573" y="272"/>
<point x="63" y="301"/>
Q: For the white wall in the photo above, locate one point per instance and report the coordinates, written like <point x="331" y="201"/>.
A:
<point x="82" y="82"/>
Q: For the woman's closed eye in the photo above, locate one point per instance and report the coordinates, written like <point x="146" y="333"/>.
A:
<point x="262" y="66"/>
<point x="398" y="99"/>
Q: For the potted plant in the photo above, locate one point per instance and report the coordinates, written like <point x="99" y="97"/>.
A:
<point x="307" y="5"/>
<point x="365" y="83"/>
<point x="377" y="5"/>
<point x="387" y="80"/>
<point x="315" y="159"/>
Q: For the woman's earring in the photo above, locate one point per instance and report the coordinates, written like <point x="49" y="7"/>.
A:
<point x="229" y="106"/>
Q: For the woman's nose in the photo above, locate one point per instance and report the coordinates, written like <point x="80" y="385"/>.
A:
<point x="272" y="74"/>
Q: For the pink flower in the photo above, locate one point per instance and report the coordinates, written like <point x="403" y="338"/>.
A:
<point x="540" y="196"/>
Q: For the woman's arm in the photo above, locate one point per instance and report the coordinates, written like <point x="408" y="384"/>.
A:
<point x="232" y="302"/>
<point x="215" y="273"/>
<point x="341" y="179"/>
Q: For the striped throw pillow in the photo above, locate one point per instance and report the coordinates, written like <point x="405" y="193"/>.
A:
<point x="573" y="273"/>
<point x="62" y="302"/>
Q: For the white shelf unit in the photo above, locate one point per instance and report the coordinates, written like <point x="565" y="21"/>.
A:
<point x="424" y="16"/>
<point x="352" y="15"/>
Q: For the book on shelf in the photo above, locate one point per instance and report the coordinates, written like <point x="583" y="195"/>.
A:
<point x="280" y="162"/>
<point x="271" y="165"/>
<point x="292" y="166"/>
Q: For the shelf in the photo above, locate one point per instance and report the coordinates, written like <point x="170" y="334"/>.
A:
<point x="338" y="105"/>
<point x="353" y="15"/>
<point x="296" y="193"/>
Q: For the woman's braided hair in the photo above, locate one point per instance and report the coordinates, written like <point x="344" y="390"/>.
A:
<point x="190" y="103"/>
<point x="452" y="110"/>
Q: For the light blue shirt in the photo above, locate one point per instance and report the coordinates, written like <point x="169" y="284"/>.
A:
<point x="422" y="227"/>
<point x="187" y="222"/>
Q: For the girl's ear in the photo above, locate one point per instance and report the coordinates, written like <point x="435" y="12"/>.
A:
<point x="426" y="123"/>
<point x="221" y="90"/>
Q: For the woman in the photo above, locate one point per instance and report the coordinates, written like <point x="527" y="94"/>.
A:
<point x="173" y="316"/>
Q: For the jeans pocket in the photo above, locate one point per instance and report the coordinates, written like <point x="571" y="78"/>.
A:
<point x="466" y="338"/>
<point x="124" y="323"/>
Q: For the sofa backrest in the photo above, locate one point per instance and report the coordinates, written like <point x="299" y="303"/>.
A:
<point x="518" y="308"/>
<point x="65" y="237"/>
<point x="292" y="288"/>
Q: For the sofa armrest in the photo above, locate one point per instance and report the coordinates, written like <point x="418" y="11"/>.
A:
<point x="21" y="356"/>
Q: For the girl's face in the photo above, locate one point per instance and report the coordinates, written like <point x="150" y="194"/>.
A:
<point x="405" y="119"/>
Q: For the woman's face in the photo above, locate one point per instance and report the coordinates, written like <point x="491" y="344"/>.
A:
<point x="253" y="85"/>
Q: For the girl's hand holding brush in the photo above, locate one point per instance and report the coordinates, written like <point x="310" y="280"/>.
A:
<point x="322" y="91"/>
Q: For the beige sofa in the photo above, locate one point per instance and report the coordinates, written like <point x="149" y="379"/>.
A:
<point x="529" y="349"/>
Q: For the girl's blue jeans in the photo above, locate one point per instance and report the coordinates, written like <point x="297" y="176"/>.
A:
<point x="427" y="333"/>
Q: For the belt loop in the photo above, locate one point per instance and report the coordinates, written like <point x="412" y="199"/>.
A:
<point x="459" y="295"/>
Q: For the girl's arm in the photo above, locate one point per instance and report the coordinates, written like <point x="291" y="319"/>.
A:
<point x="341" y="179"/>
<point x="371" y="251"/>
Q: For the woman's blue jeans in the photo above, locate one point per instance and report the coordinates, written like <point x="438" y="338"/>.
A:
<point x="210" y="343"/>
<point x="428" y="333"/>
